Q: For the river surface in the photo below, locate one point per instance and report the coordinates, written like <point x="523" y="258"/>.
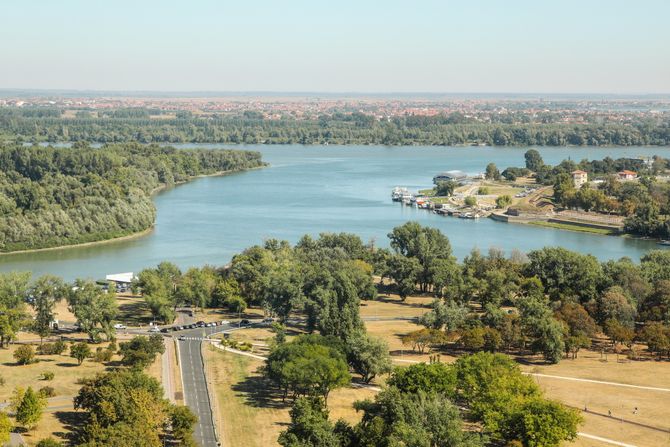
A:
<point x="313" y="189"/>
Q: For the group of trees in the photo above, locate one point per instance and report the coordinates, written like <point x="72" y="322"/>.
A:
<point x="94" y="308"/>
<point x="644" y="203"/>
<point x="127" y="407"/>
<point x="60" y="196"/>
<point x="337" y="128"/>
<point x="426" y="405"/>
<point x="550" y="301"/>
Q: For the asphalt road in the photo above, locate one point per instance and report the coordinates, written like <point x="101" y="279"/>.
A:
<point x="193" y="377"/>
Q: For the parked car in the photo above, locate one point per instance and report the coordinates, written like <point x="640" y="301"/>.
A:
<point x="165" y="330"/>
<point x="245" y="322"/>
<point x="224" y="322"/>
<point x="119" y="326"/>
<point x="200" y="324"/>
<point x="154" y="329"/>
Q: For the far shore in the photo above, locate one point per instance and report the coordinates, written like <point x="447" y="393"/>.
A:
<point x="130" y="236"/>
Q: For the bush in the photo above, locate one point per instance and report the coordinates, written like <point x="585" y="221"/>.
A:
<point x="483" y="191"/>
<point x="471" y="201"/>
<point x="244" y="346"/>
<point x="47" y="391"/>
<point x="503" y="201"/>
<point x="45" y="349"/>
<point x="48" y="375"/>
<point x="59" y="347"/>
<point x="2" y="381"/>
<point x="49" y="442"/>
<point x="102" y="355"/>
<point x="24" y="355"/>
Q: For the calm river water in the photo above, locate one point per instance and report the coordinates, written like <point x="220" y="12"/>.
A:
<point x="312" y="189"/>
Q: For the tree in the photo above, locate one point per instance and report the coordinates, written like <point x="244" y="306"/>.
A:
<point x="121" y="405"/>
<point x="614" y="304"/>
<point x="395" y="418"/>
<point x="369" y="356"/>
<point x="494" y="387"/>
<point x="470" y="201"/>
<point x="94" y="309"/>
<point x="29" y="409"/>
<point x="430" y="378"/>
<point x="445" y="189"/>
<point x="308" y="366"/>
<point x="47" y="292"/>
<point x="24" y="355"/>
<point x="449" y="316"/>
<point x="13" y="314"/>
<point x="577" y="319"/>
<point x="564" y="189"/>
<point x="197" y="286"/>
<point x="492" y="172"/>
<point x="534" y="160"/>
<point x="141" y="351"/>
<point x="565" y="274"/>
<point x="309" y="426"/>
<point x="80" y="351"/>
<point x="657" y="337"/>
<point x="503" y="201"/>
<point x="427" y="245"/>
<point x="542" y="423"/>
<point x="423" y="338"/>
<point x="5" y="427"/>
<point x="182" y="421"/>
<point x="404" y="272"/>
<point x="619" y="333"/>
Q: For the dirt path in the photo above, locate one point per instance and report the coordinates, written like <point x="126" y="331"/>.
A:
<point x="601" y="382"/>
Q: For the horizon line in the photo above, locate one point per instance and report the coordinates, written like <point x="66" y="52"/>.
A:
<point x="343" y="93"/>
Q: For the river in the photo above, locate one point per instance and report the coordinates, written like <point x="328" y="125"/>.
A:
<point x="313" y="189"/>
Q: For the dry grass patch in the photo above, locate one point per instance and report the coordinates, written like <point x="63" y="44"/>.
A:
<point x="249" y="413"/>
<point x="390" y="305"/>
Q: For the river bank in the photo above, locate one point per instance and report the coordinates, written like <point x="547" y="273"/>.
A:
<point x="130" y="236"/>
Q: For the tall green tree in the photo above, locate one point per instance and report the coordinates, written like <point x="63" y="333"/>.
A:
<point x="94" y="309"/>
<point x="46" y="292"/>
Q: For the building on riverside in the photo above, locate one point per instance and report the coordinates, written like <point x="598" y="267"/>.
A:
<point x="627" y="175"/>
<point x="579" y="178"/>
<point x="455" y="176"/>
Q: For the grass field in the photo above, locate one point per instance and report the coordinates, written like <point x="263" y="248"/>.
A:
<point x="65" y="383"/>
<point x="253" y="415"/>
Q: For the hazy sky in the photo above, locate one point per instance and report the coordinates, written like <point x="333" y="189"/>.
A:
<point x="561" y="46"/>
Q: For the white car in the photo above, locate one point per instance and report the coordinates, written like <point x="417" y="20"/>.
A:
<point x="119" y="326"/>
<point x="224" y="322"/>
<point x="155" y="329"/>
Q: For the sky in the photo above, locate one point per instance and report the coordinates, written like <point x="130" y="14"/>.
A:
<point x="503" y="46"/>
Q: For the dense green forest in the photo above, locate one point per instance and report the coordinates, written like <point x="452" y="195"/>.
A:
<point x="61" y="196"/>
<point x="356" y="128"/>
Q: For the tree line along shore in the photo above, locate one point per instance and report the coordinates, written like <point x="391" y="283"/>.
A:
<point x="53" y="197"/>
<point x="39" y="125"/>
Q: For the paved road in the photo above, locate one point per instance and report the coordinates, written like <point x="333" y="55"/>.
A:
<point x="195" y="386"/>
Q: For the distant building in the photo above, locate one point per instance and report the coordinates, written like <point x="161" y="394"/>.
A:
<point x="579" y="178"/>
<point x="450" y="175"/>
<point x="123" y="279"/>
<point x="627" y="175"/>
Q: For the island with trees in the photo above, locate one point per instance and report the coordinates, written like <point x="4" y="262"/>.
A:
<point x="51" y="197"/>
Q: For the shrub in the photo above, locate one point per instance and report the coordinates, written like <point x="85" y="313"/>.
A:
<point x="49" y="442"/>
<point x="244" y="346"/>
<point x="45" y="349"/>
<point x="80" y="351"/>
<point x="48" y="375"/>
<point x="47" y="391"/>
<point x="471" y="201"/>
<point x="24" y="355"/>
<point x="483" y="191"/>
<point x="102" y="355"/>
<point x="503" y="201"/>
<point x="2" y="381"/>
<point x="59" y="347"/>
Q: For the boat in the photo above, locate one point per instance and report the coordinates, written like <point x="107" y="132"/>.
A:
<point x="664" y="243"/>
<point x="399" y="193"/>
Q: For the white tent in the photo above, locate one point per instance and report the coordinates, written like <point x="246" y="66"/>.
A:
<point x="120" y="278"/>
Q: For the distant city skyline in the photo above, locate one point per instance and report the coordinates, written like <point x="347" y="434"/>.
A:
<point x="347" y="47"/>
